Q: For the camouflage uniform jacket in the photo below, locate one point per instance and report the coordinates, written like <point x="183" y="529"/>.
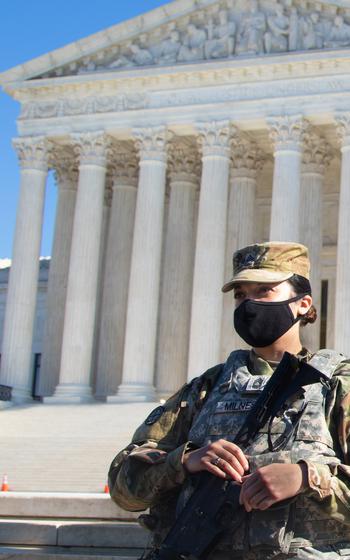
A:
<point x="149" y="472"/>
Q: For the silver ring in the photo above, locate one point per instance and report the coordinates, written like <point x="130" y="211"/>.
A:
<point x="216" y="462"/>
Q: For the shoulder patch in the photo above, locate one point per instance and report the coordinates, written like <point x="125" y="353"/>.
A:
<point x="154" y="415"/>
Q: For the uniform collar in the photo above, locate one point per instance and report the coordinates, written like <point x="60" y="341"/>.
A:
<point x="259" y="366"/>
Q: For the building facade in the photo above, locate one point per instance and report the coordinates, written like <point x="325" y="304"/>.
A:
<point x="176" y="137"/>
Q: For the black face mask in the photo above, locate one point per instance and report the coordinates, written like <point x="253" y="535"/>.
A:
<point x="260" y="323"/>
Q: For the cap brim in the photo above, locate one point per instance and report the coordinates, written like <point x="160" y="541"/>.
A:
<point x="256" y="275"/>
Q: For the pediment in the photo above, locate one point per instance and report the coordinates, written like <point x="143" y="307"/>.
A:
<point x="194" y="31"/>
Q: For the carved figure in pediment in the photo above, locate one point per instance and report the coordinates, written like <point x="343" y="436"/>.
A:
<point x="87" y="65"/>
<point x="276" y="38"/>
<point x="141" y="56"/>
<point x="193" y="47"/>
<point x="312" y="31"/>
<point x="294" y="40"/>
<point x="339" y="34"/>
<point x="251" y="31"/>
<point x="168" y="49"/>
<point x="121" y="60"/>
<point x="221" y="37"/>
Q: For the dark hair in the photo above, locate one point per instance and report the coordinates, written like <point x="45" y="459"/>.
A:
<point x="301" y="286"/>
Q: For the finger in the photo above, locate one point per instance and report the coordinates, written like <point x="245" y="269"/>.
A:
<point x="214" y="470"/>
<point x="250" y="479"/>
<point x="229" y="456"/>
<point x="249" y="489"/>
<point x="222" y="465"/>
<point x="266" y="503"/>
<point x="232" y="472"/>
<point x="238" y="453"/>
<point x="243" y="501"/>
<point x="225" y="467"/>
<point x="258" y="499"/>
<point x="230" y="459"/>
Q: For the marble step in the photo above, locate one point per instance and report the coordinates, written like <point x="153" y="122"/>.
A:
<point x="57" y="505"/>
<point x="64" y="553"/>
<point x="58" y="533"/>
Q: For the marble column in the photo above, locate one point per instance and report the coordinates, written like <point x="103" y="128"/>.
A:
<point x="116" y="277"/>
<point x="66" y="175"/>
<point x="342" y="298"/>
<point x="16" y="354"/>
<point x="74" y="380"/>
<point x="176" y="293"/>
<point x="106" y="216"/>
<point x="316" y="156"/>
<point x="142" y="313"/>
<point x="209" y="266"/>
<point x="246" y="160"/>
<point x="286" y="135"/>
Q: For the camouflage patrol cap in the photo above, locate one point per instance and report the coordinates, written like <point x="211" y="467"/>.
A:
<point x="273" y="261"/>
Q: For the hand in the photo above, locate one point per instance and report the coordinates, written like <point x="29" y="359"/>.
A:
<point x="271" y="484"/>
<point x="230" y="460"/>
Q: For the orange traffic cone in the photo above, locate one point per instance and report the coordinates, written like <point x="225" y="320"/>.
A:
<point x="106" y="489"/>
<point x="5" y="484"/>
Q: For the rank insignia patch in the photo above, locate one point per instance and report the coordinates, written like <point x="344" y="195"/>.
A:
<point x="256" y="384"/>
<point x="154" y="415"/>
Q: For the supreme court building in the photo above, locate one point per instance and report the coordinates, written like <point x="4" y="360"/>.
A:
<point x="176" y="138"/>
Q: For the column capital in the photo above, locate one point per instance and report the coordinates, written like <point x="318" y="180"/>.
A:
<point x="33" y="152"/>
<point x="152" y="143"/>
<point x="184" y="161"/>
<point x="65" y="167"/>
<point x="342" y="120"/>
<point x="92" y="148"/>
<point x="246" y="157"/>
<point x="214" y="138"/>
<point x="317" y="153"/>
<point x="286" y="132"/>
<point x="125" y="170"/>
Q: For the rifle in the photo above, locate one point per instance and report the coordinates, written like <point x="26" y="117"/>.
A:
<point x="214" y="504"/>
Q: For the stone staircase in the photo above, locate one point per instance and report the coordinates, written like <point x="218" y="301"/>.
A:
<point x="64" y="448"/>
<point x="33" y="539"/>
<point x="56" y="458"/>
<point x="67" y="526"/>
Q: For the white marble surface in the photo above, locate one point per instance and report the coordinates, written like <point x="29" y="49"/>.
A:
<point x="16" y="354"/>
<point x="141" y="323"/>
<point x="77" y="344"/>
<point x="206" y="316"/>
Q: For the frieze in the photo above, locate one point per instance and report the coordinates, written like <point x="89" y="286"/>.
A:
<point x="224" y="30"/>
<point x="224" y="94"/>
<point x="250" y="92"/>
<point x="90" y="105"/>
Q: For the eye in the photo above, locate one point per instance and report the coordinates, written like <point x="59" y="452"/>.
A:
<point x="238" y="295"/>
<point x="263" y="290"/>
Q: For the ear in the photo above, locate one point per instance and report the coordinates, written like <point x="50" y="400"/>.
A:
<point x="304" y="305"/>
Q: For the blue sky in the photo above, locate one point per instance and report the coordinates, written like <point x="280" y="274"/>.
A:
<point x="29" y="28"/>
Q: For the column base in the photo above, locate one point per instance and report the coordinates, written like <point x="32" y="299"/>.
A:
<point x="134" y="393"/>
<point x="70" y="394"/>
<point x="6" y="404"/>
<point x="21" y="396"/>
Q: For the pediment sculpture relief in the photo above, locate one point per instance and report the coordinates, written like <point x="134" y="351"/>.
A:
<point x="217" y="33"/>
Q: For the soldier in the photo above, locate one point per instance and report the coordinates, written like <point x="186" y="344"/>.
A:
<point x="295" y="499"/>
